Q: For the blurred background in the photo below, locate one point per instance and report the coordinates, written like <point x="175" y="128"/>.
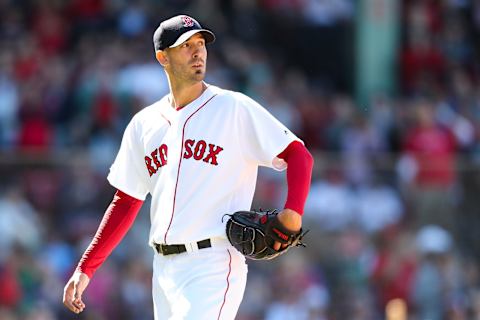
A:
<point x="385" y="94"/>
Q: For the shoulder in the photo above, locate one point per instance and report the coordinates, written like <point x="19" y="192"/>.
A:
<point x="234" y="98"/>
<point x="148" y="113"/>
<point x="146" y="117"/>
<point x="230" y="94"/>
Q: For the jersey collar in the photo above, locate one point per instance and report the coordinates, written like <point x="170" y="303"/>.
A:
<point x="172" y="114"/>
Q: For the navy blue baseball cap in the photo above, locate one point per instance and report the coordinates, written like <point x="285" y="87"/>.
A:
<point x="176" y="30"/>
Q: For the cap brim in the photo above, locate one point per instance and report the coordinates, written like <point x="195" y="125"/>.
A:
<point x="209" y="37"/>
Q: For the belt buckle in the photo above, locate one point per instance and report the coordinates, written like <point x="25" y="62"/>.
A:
<point x="159" y="248"/>
<point x="166" y="249"/>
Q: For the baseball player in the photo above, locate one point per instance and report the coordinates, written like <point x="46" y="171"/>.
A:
<point x="196" y="152"/>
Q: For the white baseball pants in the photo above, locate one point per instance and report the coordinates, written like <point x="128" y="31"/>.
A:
<point x="207" y="284"/>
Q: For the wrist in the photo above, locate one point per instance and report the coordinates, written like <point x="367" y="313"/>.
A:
<point x="294" y="205"/>
<point x="80" y="271"/>
<point x="291" y="219"/>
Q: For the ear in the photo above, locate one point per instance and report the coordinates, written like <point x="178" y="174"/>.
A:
<point x="161" y="57"/>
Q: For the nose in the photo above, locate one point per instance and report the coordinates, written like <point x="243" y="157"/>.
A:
<point x="197" y="51"/>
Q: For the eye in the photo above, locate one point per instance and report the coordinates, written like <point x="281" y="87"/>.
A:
<point x="185" y="45"/>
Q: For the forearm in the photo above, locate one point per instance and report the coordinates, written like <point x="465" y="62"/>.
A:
<point x="117" y="220"/>
<point x="299" y="175"/>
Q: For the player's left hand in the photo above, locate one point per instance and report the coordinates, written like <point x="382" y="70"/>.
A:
<point x="72" y="293"/>
<point x="291" y="220"/>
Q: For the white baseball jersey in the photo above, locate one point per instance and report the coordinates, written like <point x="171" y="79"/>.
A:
<point x="198" y="163"/>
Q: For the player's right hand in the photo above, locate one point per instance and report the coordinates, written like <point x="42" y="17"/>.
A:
<point x="72" y="293"/>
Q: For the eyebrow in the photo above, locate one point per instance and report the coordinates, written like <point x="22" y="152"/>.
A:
<point x="197" y="37"/>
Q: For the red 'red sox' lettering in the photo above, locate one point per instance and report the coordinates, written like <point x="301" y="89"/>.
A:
<point x="198" y="150"/>
<point x="188" y="148"/>
<point x="157" y="159"/>
<point x="213" y="151"/>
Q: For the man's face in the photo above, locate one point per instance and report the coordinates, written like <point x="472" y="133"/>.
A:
<point x="188" y="61"/>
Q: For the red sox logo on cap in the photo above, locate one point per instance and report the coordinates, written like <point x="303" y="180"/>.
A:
<point x="187" y="21"/>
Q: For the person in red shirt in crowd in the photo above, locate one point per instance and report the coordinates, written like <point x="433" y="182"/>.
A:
<point x="431" y="147"/>
<point x="394" y="267"/>
<point x="423" y="65"/>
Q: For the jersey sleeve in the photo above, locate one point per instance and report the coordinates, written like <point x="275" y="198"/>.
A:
<point x="262" y="136"/>
<point x="127" y="173"/>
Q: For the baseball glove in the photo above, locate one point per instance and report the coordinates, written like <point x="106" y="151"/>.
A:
<point x="253" y="233"/>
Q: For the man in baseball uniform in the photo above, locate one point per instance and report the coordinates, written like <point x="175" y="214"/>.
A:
<point x="196" y="152"/>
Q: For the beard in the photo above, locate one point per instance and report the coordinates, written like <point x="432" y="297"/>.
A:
<point x="199" y="74"/>
<point x="188" y="74"/>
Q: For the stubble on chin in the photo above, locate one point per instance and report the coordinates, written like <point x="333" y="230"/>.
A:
<point x="199" y="75"/>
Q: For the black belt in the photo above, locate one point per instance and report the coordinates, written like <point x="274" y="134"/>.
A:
<point x="166" y="249"/>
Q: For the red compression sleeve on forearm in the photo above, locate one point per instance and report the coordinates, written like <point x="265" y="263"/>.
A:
<point x="299" y="175"/>
<point x="117" y="220"/>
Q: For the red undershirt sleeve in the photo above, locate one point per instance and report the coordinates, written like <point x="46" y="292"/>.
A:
<point x="117" y="220"/>
<point x="299" y="175"/>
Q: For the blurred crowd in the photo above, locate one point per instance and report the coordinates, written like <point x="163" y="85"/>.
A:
<point x="394" y="198"/>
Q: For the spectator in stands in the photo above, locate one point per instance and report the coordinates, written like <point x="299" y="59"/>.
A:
<point x="432" y="149"/>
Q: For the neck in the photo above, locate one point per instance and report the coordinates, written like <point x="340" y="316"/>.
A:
<point x="183" y="94"/>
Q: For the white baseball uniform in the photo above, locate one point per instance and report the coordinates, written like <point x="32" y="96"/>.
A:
<point x="198" y="163"/>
